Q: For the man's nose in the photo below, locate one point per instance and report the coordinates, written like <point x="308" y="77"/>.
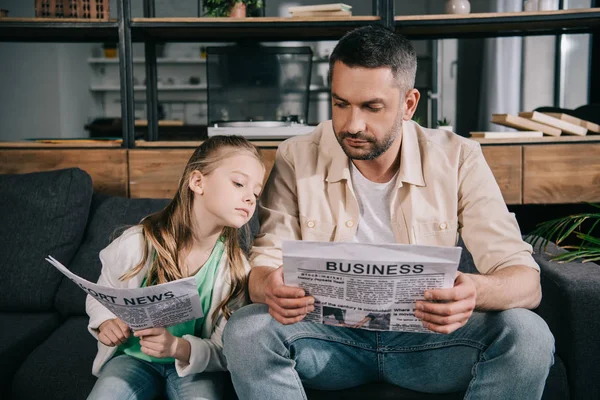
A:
<point x="356" y="122"/>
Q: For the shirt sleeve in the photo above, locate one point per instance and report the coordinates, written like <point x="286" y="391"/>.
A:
<point x="489" y="230"/>
<point x="278" y="213"/>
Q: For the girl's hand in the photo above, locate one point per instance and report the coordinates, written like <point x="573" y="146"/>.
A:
<point x="158" y="342"/>
<point x="113" y="332"/>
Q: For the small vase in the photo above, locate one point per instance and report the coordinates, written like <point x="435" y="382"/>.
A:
<point x="458" y="7"/>
<point x="238" y="10"/>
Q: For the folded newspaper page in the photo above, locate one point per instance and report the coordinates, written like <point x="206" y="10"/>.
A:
<point x="148" y="307"/>
<point x="368" y="286"/>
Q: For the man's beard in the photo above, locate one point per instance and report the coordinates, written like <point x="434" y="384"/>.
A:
<point x="378" y="147"/>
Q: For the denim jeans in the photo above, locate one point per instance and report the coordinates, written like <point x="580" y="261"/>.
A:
<point x="496" y="355"/>
<point x="128" y="378"/>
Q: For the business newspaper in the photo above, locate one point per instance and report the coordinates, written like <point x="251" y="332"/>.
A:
<point x="368" y="286"/>
<point x="148" y="307"/>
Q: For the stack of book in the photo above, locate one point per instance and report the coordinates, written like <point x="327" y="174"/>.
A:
<point x="321" y="10"/>
<point x="537" y="124"/>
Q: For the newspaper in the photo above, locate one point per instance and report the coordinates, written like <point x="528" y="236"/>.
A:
<point x="148" y="307"/>
<point x="368" y="286"/>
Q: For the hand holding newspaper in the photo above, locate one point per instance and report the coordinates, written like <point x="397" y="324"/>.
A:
<point x="368" y="286"/>
<point x="148" y="307"/>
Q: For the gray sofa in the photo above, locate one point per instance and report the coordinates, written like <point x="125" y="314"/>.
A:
<point x="46" y="351"/>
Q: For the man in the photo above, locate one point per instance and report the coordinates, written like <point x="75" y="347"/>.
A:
<point x="372" y="175"/>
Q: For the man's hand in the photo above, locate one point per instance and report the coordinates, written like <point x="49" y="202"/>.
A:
<point x="287" y="304"/>
<point x="448" y="309"/>
<point x="158" y="342"/>
<point x="113" y="332"/>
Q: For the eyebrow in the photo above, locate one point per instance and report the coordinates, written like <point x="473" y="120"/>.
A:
<point x="367" y="102"/>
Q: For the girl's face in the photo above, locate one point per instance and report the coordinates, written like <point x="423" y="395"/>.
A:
<point x="229" y="193"/>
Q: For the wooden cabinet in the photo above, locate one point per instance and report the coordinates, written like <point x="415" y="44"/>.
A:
<point x="526" y="173"/>
<point x="155" y="173"/>
<point x="506" y="165"/>
<point x="107" y="167"/>
<point x="561" y="173"/>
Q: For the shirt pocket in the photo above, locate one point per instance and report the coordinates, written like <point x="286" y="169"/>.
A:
<point x="315" y="230"/>
<point x="436" y="232"/>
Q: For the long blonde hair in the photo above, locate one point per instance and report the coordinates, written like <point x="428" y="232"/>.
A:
<point x="169" y="231"/>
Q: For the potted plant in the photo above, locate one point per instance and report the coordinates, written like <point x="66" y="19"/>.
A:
<point x="580" y="227"/>
<point x="231" y="8"/>
<point x="445" y="125"/>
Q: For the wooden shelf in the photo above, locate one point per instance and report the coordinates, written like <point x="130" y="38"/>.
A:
<point x="227" y="29"/>
<point x="195" y="143"/>
<point x="544" y="139"/>
<point x="498" y="24"/>
<point x="67" y="30"/>
<point x="61" y="144"/>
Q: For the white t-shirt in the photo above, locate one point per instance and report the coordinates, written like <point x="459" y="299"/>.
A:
<point x="374" y="204"/>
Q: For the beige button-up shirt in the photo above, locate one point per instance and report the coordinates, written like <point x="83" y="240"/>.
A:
<point x="444" y="188"/>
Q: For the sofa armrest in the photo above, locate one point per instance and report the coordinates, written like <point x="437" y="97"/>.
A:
<point x="571" y="308"/>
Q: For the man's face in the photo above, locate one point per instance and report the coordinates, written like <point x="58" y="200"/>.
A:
<point x="367" y="110"/>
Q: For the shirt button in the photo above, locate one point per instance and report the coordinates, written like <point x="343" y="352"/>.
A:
<point x="350" y="223"/>
<point x="310" y="224"/>
<point x="443" y="225"/>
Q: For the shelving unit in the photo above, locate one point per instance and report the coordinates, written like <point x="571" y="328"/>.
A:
<point x="525" y="170"/>
<point x="260" y="29"/>
<point x="126" y="30"/>
<point x="446" y="26"/>
<point x="64" y="30"/>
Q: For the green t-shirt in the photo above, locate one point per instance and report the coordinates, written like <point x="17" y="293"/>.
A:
<point x="205" y="280"/>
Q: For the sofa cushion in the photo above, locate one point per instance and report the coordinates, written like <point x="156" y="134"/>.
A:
<point x="109" y="216"/>
<point x="42" y="214"/>
<point x="22" y="333"/>
<point x="60" y="368"/>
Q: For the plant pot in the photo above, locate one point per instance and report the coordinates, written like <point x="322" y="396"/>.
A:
<point x="238" y="11"/>
<point x="448" y="128"/>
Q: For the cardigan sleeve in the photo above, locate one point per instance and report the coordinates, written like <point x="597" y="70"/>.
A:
<point x="206" y="355"/>
<point x="121" y="255"/>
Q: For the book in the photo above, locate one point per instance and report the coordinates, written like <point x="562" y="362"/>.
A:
<point x="525" y="124"/>
<point x="507" y="135"/>
<point x="564" y="126"/>
<point x="321" y="7"/>
<point x="322" y="14"/>
<point x="590" y="126"/>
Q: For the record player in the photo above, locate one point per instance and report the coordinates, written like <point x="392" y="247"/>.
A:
<point x="258" y="92"/>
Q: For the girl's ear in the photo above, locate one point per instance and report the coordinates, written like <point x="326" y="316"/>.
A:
<point x="196" y="182"/>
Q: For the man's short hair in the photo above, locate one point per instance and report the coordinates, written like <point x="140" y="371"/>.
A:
<point x="374" y="46"/>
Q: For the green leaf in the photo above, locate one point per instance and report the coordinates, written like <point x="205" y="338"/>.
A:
<point x="558" y="230"/>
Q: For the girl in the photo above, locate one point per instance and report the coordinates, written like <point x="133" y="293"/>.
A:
<point x="195" y="235"/>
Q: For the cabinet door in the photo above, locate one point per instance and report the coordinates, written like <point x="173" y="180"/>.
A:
<point x="155" y="173"/>
<point x="107" y="167"/>
<point x="561" y="173"/>
<point x="505" y="163"/>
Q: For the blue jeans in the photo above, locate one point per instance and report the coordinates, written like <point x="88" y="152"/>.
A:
<point x="128" y="378"/>
<point x="496" y="355"/>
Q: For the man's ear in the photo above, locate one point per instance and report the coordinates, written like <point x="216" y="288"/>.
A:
<point x="411" y="100"/>
<point x="196" y="182"/>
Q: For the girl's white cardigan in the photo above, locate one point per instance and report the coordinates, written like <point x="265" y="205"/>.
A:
<point x="126" y="252"/>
